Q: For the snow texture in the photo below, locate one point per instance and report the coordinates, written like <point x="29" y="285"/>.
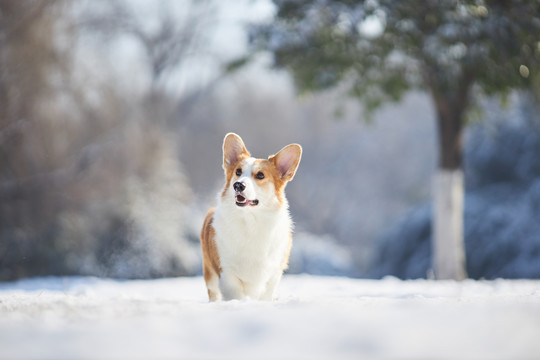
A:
<point x="315" y="318"/>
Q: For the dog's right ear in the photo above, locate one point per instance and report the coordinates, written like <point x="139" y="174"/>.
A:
<point x="233" y="150"/>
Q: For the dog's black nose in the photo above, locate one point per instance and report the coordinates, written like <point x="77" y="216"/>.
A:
<point x="239" y="186"/>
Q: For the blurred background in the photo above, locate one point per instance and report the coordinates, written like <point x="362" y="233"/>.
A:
<point x="112" y="117"/>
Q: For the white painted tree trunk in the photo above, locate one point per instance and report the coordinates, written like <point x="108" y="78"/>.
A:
<point x="448" y="244"/>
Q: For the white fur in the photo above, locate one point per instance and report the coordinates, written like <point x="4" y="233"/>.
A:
<point x="247" y="180"/>
<point x="252" y="241"/>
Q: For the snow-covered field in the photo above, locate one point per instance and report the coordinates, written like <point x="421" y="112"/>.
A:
<point x="315" y="318"/>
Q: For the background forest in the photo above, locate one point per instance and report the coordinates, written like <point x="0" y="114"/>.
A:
<point x="112" y="116"/>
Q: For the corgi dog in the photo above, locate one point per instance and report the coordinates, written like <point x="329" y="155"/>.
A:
<point x="246" y="239"/>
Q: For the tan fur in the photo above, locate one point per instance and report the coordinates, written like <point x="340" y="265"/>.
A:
<point x="271" y="174"/>
<point x="211" y="261"/>
<point x="285" y="263"/>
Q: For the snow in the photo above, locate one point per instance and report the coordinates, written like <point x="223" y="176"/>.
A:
<point x="315" y="318"/>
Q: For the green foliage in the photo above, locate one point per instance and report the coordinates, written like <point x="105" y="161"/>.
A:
<point x="236" y="64"/>
<point x="380" y="49"/>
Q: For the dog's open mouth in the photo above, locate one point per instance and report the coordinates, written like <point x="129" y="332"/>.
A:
<point x="242" y="201"/>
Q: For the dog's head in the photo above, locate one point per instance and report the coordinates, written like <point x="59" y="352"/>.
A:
<point x="252" y="183"/>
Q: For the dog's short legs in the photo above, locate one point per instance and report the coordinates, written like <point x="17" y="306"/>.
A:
<point x="231" y="286"/>
<point x="254" y="290"/>
<point x="212" y="284"/>
<point x="271" y="286"/>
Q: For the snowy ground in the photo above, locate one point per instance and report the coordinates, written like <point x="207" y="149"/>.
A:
<point x="316" y="318"/>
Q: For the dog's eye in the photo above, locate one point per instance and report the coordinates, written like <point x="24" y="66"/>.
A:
<point x="259" y="175"/>
<point x="238" y="172"/>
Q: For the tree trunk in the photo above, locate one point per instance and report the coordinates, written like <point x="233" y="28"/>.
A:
<point x="448" y="244"/>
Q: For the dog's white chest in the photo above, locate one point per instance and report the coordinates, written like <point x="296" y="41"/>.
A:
<point x="252" y="245"/>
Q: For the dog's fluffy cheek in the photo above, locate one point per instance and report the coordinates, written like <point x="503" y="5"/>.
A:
<point x="268" y="194"/>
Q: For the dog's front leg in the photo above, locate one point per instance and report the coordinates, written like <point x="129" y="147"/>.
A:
<point x="231" y="286"/>
<point x="271" y="286"/>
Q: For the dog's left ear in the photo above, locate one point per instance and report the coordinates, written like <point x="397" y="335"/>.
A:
<point x="286" y="161"/>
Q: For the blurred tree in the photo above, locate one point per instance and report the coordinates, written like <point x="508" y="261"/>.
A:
<point x="30" y="175"/>
<point x="88" y="185"/>
<point x="178" y="32"/>
<point x="378" y="49"/>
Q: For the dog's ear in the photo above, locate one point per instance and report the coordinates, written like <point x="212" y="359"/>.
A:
<point x="233" y="150"/>
<point x="286" y="161"/>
